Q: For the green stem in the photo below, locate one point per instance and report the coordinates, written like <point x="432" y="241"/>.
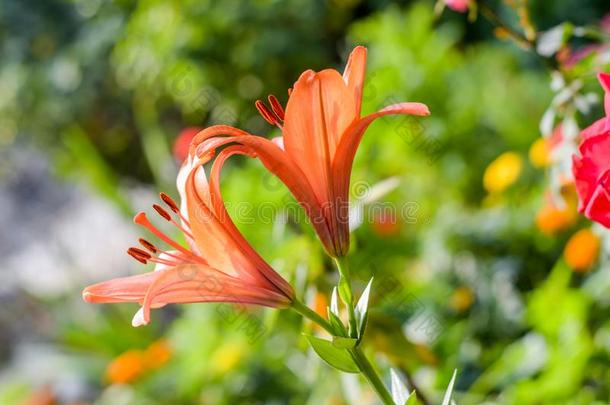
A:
<point x="490" y="15"/>
<point x="312" y="315"/>
<point x="365" y="366"/>
<point x="345" y="292"/>
<point x="371" y="375"/>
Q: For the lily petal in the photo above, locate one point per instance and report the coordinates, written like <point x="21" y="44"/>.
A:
<point x="346" y="151"/>
<point x="254" y="259"/>
<point x="319" y="110"/>
<point x="197" y="283"/>
<point x="278" y="162"/>
<point x="353" y="75"/>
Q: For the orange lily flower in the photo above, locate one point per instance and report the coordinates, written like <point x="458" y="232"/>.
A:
<point x="218" y="266"/>
<point x="321" y="130"/>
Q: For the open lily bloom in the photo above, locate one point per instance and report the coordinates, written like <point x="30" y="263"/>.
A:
<point x="219" y="265"/>
<point x="321" y="130"/>
<point x="592" y="168"/>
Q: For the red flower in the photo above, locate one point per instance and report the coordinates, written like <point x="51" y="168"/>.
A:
<point x="322" y="128"/>
<point x="592" y="168"/>
<point x="461" y="6"/>
<point x="183" y="142"/>
<point x="219" y="265"/>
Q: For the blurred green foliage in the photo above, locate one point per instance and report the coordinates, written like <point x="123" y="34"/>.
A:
<point x="104" y="88"/>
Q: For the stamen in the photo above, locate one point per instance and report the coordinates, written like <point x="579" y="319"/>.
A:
<point x="276" y="107"/>
<point x="169" y="202"/>
<point x="174" y="207"/>
<point x="147" y="245"/>
<point x="142" y="219"/>
<point x="178" y="259"/>
<point x="265" y="113"/>
<point x="163" y="261"/>
<point x="289" y="91"/>
<point x="162" y="212"/>
<point x="166" y="216"/>
<point x="138" y="254"/>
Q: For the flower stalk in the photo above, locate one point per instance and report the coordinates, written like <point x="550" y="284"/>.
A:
<point x="368" y="371"/>
<point x="364" y="365"/>
<point x="345" y="292"/>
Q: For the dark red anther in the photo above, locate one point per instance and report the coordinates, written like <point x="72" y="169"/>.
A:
<point x="147" y="245"/>
<point x="139" y="255"/>
<point x="265" y="113"/>
<point x="169" y="202"/>
<point x="161" y="211"/>
<point x="276" y="107"/>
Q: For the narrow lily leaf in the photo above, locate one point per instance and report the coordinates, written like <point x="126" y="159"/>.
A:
<point x="345" y="292"/>
<point x="344" y="342"/>
<point x="400" y="393"/>
<point x="336" y="323"/>
<point x="334" y="302"/>
<point x="449" y="391"/>
<point x="362" y="309"/>
<point x="335" y="357"/>
<point x="412" y="400"/>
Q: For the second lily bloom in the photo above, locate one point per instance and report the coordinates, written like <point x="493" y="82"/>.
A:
<point x="321" y="130"/>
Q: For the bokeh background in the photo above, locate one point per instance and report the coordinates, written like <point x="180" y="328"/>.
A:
<point x="469" y="275"/>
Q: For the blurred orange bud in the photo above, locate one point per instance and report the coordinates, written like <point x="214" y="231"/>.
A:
<point x="126" y="367"/>
<point x="552" y="219"/>
<point x="320" y="304"/>
<point x="385" y="224"/>
<point x="582" y="250"/>
<point x="502" y="172"/>
<point x="462" y="299"/>
<point x="501" y="33"/>
<point x="426" y="355"/>
<point x="158" y="354"/>
<point x="42" y="396"/>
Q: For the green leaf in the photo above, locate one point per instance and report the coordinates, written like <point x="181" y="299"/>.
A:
<point x="336" y="323"/>
<point x="412" y="400"/>
<point x="344" y="342"/>
<point x="449" y="391"/>
<point x="362" y="309"/>
<point x="345" y="292"/>
<point x="400" y="393"/>
<point x="334" y="302"/>
<point x="335" y="357"/>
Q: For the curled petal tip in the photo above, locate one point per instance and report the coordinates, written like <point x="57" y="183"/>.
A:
<point x="139" y="319"/>
<point x="425" y="110"/>
<point x="87" y="296"/>
<point x="359" y="48"/>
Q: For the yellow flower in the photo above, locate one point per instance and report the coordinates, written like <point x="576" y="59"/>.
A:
<point x="539" y="153"/>
<point x="582" y="250"/>
<point x="226" y="357"/>
<point x="502" y="172"/>
<point x="126" y="367"/>
<point x="462" y="299"/>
